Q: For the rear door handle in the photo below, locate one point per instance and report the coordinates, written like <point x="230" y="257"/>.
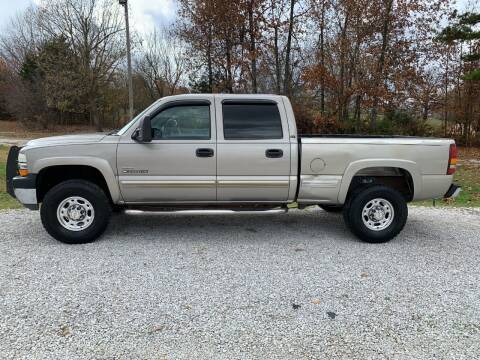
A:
<point x="204" y="152"/>
<point x="274" y="153"/>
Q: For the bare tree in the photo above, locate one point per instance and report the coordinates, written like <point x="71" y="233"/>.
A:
<point x="20" y="37"/>
<point x="162" y="63"/>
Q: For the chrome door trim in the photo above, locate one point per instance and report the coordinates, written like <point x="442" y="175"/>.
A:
<point x="253" y="183"/>
<point x="206" y="183"/>
<point x="169" y="183"/>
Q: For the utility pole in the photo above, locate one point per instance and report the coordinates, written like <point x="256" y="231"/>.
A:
<point x="124" y="3"/>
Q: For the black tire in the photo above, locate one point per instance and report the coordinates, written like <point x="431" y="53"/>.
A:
<point x="332" y="208"/>
<point x="359" y="199"/>
<point x="118" y="209"/>
<point x="87" y="190"/>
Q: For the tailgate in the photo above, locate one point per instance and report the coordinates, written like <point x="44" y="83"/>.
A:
<point x="12" y="169"/>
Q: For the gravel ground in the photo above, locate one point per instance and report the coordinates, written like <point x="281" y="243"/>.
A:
<point x="295" y="286"/>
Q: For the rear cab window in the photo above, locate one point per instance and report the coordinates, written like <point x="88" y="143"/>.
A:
<point x="250" y="120"/>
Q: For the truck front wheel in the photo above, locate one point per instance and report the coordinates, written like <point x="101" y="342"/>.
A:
<point x="376" y="214"/>
<point x="75" y="212"/>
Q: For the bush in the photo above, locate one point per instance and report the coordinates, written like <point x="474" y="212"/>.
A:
<point x="399" y="122"/>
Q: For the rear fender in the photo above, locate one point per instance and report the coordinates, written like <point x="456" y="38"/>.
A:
<point x="356" y="166"/>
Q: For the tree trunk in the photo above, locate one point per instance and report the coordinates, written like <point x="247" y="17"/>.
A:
<point x="209" y="60"/>
<point x="426" y="110"/>
<point x="287" y="79"/>
<point x="277" y="61"/>
<point x="94" y="113"/>
<point x="445" y="105"/>
<point x="342" y="111"/>
<point x="322" y="59"/>
<point x="381" y="62"/>
<point x="253" y="55"/>
<point x="358" y="101"/>
<point x="229" y="84"/>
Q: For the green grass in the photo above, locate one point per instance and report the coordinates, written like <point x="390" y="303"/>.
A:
<point x="468" y="177"/>
<point x="6" y="201"/>
<point x="435" y="123"/>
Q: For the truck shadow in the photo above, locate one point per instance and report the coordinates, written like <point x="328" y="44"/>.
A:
<point x="312" y="224"/>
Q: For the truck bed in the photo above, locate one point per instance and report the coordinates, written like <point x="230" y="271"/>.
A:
<point x="328" y="163"/>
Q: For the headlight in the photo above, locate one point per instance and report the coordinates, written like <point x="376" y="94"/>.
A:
<point x="22" y="164"/>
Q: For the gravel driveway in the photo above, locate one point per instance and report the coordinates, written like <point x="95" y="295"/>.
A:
<point x="295" y="286"/>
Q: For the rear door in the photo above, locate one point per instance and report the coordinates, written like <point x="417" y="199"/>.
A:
<point x="253" y="160"/>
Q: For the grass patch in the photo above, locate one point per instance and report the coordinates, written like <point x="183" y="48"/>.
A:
<point x="15" y="130"/>
<point x="468" y="177"/>
<point x="6" y="201"/>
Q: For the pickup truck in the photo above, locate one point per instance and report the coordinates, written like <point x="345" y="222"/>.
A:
<point x="226" y="152"/>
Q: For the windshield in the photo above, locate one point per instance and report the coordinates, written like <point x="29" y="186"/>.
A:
<point x="134" y="120"/>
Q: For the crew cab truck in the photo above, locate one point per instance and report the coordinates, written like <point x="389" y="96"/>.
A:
<point x="232" y="152"/>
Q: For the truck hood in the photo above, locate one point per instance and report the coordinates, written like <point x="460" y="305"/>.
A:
<point x="67" y="140"/>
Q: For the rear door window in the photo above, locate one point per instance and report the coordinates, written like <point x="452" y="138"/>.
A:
<point x="251" y="121"/>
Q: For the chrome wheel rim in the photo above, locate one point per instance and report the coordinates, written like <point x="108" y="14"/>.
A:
<point x="75" y="213"/>
<point x="378" y="214"/>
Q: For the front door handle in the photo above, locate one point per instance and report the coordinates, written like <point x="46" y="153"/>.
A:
<point x="274" y="153"/>
<point x="204" y="152"/>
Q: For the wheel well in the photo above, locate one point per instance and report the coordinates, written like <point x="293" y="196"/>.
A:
<point x="396" y="178"/>
<point x="49" y="177"/>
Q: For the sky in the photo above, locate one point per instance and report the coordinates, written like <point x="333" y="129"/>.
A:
<point x="144" y="14"/>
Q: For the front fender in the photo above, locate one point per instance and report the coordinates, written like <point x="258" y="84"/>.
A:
<point x="101" y="165"/>
<point x="356" y="166"/>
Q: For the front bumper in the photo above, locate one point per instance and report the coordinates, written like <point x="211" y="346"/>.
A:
<point x="452" y="192"/>
<point x="25" y="190"/>
<point x="22" y="188"/>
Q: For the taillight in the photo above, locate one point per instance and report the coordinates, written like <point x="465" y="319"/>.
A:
<point x="452" y="160"/>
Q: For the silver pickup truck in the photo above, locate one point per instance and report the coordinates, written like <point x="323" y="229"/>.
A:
<point x="230" y="152"/>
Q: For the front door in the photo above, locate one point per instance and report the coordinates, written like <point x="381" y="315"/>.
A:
<point x="253" y="150"/>
<point x="180" y="163"/>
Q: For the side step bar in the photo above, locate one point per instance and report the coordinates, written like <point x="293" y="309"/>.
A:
<point x="206" y="211"/>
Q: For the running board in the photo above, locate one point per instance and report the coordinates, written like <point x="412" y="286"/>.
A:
<point x="206" y="211"/>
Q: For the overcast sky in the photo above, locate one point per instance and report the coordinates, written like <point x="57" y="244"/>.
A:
<point x="145" y="14"/>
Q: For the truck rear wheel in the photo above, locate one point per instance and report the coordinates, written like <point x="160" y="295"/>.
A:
<point x="376" y="214"/>
<point x="75" y="212"/>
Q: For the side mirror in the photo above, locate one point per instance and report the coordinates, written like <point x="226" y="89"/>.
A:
<point x="144" y="132"/>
